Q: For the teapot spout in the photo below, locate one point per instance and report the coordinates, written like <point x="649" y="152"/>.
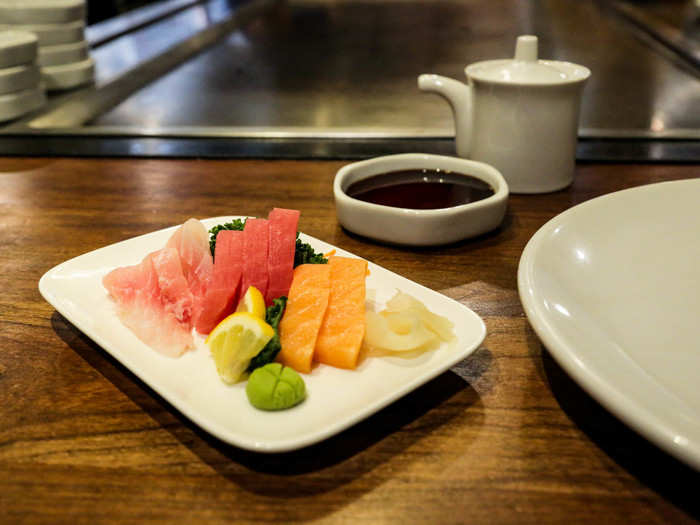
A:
<point x="458" y="95"/>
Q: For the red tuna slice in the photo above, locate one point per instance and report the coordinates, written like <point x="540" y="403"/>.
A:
<point x="222" y="294"/>
<point x="149" y="312"/>
<point x="256" y="234"/>
<point x="280" y="261"/>
<point x="191" y="240"/>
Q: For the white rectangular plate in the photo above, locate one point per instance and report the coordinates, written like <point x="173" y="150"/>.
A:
<point x="336" y="398"/>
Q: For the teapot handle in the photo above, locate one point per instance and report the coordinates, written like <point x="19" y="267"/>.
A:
<point x="459" y="96"/>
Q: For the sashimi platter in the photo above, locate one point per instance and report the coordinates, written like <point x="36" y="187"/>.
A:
<point x="266" y="338"/>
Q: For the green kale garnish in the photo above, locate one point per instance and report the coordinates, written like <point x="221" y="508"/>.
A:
<point x="273" y="315"/>
<point x="305" y="254"/>
<point x="236" y="224"/>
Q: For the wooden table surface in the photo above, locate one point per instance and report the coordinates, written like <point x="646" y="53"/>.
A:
<point x="504" y="437"/>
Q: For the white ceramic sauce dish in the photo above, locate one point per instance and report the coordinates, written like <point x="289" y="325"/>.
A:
<point x="419" y="227"/>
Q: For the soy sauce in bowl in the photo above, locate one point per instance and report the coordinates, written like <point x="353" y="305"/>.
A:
<point x="420" y="189"/>
<point x="419" y="199"/>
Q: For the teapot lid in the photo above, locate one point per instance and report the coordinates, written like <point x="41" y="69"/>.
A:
<point x="525" y="68"/>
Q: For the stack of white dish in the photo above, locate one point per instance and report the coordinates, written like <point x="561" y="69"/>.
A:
<point x="21" y="90"/>
<point x="59" y="25"/>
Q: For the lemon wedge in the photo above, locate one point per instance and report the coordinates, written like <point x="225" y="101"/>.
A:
<point x="252" y="302"/>
<point x="235" y="341"/>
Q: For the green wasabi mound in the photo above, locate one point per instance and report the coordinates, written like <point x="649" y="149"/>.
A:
<point x="275" y="387"/>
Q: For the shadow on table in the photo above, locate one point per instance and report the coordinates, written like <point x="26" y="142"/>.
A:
<point x="317" y="468"/>
<point x="658" y="470"/>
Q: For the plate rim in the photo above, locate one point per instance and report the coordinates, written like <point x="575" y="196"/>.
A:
<point x="659" y="430"/>
<point x="215" y="430"/>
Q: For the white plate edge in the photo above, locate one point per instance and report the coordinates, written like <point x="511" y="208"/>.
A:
<point x="659" y="430"/>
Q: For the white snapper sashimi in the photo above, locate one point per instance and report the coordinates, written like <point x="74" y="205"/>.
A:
<point x="191" y="240"/>
<point x="160" y="320"/>
<point x="159" y="299"/>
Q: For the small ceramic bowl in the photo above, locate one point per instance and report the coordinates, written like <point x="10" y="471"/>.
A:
<point x="419" y="227"/>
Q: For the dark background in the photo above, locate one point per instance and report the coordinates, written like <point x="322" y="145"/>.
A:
<point x="99" y="10"/>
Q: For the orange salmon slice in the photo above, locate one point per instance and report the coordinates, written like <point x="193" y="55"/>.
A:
<point x="343" y="327"/>
<point x="306" y="307"/>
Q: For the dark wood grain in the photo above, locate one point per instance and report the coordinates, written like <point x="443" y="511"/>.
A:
<point x="504" y="437"/>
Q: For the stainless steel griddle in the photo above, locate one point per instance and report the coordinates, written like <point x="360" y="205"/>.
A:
<point x="337" y="79"/>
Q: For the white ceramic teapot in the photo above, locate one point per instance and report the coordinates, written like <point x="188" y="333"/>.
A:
<point x="520" y="115"/>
